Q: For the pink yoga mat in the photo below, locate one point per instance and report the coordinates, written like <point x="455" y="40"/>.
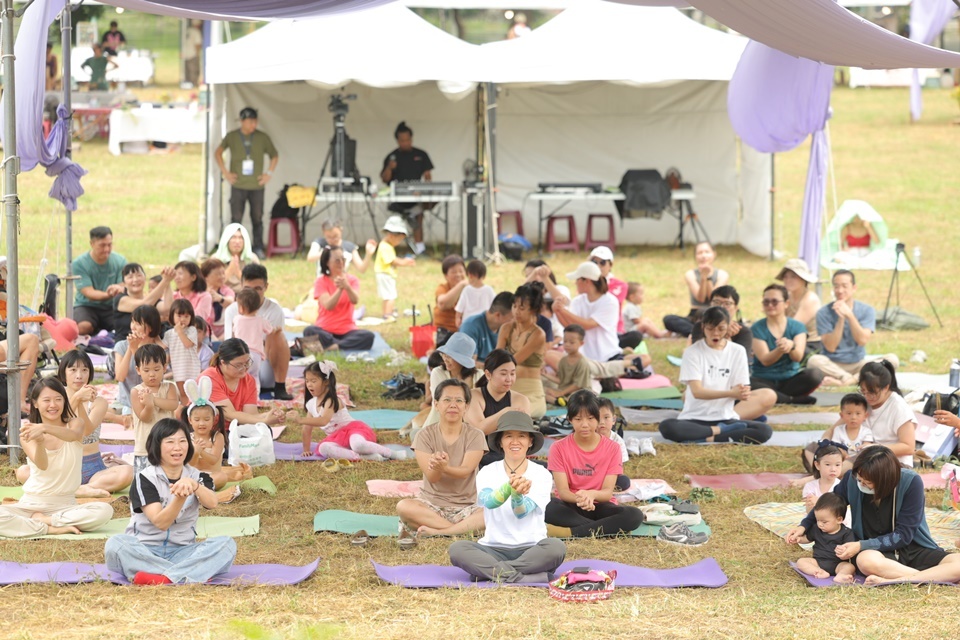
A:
<point x="113" y="431"/>
<point x="656" y="381"/>
<point x="394" y="488"/>
<point x="757" y="481"/>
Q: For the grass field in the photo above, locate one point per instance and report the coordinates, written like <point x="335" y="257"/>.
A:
<point x="152" y="202"/>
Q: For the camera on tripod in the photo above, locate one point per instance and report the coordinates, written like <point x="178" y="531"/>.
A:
<point x="338" y="104"/>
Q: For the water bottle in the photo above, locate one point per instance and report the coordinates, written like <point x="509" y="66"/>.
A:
<point x="955" y="374"/>
<point x="916" y="257"/>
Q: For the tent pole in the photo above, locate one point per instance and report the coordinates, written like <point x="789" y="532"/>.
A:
<point x="490" y="139"/>
<point x="773" y="217"/>
<point x="11" y="210"/>
<point x="66" y="41"/>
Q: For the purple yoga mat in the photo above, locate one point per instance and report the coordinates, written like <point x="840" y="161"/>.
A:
<point x="75" y="572"/>
<point x="857" y="581"/>
<point x="706" y="573"/>
<point x="292" y="451"/>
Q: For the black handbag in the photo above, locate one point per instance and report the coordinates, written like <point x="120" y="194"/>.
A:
<point x="942" y="401"/>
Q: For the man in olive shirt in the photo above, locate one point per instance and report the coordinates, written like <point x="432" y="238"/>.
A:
<point x="246" y="174"/>
<point x="100" y="279"/>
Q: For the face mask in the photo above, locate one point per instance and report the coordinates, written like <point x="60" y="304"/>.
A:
<point x="864" y="489"/>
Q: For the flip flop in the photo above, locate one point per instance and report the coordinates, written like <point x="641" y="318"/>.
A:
<point x="406" y="541"/>
<point x="360" y="538"/>
<point x="330" y="465"/>
<point x="344" y="463"/>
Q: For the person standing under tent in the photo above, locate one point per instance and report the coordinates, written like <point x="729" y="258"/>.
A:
<point x="406" y="163"/>
<point x="246" y="174"/>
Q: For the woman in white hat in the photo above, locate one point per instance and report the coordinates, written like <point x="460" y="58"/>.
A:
<point x="802" y="304"/>
<point x="514" y="494"/>
<point x="603" y="258"/>
<point x="594" y="309"/>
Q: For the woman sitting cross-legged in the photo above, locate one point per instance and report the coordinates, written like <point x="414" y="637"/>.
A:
<point x="51" y="440"/>
<point x="160" y="544"/>
<point x="716" y="374"/>
<point x="337" y="293"/>
<point x="887" y="516"/>
<point x="448" y="453"/>
<point x="514" y="494"/>
<point x="585" y="466"/>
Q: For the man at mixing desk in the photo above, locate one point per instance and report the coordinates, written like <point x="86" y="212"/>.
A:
<point x="403" y="164"/>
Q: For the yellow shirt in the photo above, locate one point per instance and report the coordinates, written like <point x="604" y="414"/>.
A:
<point x="386" y="254"/>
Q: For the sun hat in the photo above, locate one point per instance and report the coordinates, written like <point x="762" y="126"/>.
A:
<point x="248" y="113"/>
<point x="461" y="348"/>
<point x="799" y="267"/>
<point x="515" y="421"/>
<point x="587" y="270"/>
<point x="604" y="253"/>
<point x="395" y="224"/>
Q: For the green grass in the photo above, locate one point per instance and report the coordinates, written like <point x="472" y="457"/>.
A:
<point x="907" y="172"/>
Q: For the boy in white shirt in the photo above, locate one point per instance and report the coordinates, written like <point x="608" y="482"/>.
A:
<point x="476" y="297"/>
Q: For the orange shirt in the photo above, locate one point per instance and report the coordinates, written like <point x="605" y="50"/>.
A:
<point x="444" y="318"/>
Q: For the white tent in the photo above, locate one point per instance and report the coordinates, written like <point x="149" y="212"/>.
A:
<point x="642" y="88"/>
<point x="399" y="66"/>
<point x="566" y="114"/>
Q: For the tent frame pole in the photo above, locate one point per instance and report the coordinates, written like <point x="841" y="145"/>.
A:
<point x="11" y="210"/>
<point x="66" y="45"/>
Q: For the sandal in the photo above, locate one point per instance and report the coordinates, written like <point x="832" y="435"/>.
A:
<point x="344" y="463"/>
<point x="406" y="540"/>
<point x="330" y="465"/>
<point x="360" y="538"/>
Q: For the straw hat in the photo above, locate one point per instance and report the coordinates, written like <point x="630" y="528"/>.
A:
<point x="799" y="267"/>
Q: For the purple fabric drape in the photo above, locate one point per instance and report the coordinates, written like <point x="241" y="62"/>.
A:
<point x="774" y="102"/>
<point x="245" y="9"/>
<point x="33" y="149"/>
<point x="814" y="198"/>
<point x="927" y="19"/>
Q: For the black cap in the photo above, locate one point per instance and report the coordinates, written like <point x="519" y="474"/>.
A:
<point x="248" y="113"/>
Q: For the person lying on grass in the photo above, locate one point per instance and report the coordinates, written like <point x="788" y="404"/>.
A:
<point x="514" y="493"/>
<point x="448" y="453"/>
<point x="826" y="536"/>
<point x="51" y="440"/>
<point x="160" y="544"/>
<point x="887" y="516"/>
<point x="585" y="466"/>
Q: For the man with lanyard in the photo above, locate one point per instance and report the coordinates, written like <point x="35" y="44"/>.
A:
<point x="406" y="163"/>
<point x="112" y="40"/>
<point x="246" y="175"/>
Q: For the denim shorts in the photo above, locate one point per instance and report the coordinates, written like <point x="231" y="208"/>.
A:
<point x="91" y="464"/>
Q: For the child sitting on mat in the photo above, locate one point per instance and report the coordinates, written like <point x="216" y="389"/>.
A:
<point x="608" y="418"/>
<point x="850" y="432"/>
<point x="573" y="372"/>
<point x="826" y="536"/>
<point x="347" y="438"/>
<point x="206" y="421"/>
<point x="827" y="466"/>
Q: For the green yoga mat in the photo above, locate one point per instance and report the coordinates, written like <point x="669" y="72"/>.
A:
<point x="349" y="522"/>
<point x="662" y="393"/>
<point x="259" y="483"/>
<point x="207" y="527"/>
<point x="651" y="531"/>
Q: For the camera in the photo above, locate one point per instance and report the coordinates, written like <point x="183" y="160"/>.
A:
<point x="338" y="104"/>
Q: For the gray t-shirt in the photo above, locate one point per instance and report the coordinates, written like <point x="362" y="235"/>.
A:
<point x="848" y="351"/>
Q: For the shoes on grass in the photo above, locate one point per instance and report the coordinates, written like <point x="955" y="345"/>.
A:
<point x="682" y="535"/>
<point x="646" y="447"/>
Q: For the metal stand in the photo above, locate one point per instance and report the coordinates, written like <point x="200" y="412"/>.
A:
<point x="895" y="281"/>
<point x="690" y="218"/>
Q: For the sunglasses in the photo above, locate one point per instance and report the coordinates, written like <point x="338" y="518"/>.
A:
<point x="771" y="302"/>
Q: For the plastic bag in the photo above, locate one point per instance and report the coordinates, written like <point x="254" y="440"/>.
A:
<point x="251" y="443"/>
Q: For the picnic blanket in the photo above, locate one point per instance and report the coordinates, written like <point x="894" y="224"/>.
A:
<point x="780" y="517"/>
<point x="656" y="381"/>
<point x="76" y="572"/>
<point x="116" y="432"/>
<point x="349" y="522"/>
<point x="706" y="573"/>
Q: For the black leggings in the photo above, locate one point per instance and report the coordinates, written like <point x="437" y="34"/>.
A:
<point x="630" y="339"/>
<point x="605" y="520"/>
<point x="802" y="384"/>
<point x="752" y="432"/>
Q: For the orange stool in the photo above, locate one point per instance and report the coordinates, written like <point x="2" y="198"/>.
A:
<point x="517" y="218"/>
<point x="572" y="242"/>
<point x="591" y="241"/>
<point x="272" y="245"/>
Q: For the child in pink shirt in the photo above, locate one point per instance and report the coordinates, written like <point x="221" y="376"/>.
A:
<point x="252" y="329"/>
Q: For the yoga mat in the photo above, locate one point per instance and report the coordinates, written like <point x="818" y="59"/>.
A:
<point x="745" y="481"/>
<point x="828" y="398"/>
<point x="647" y="416"/>
<point x="113" y="431"/>
<point x="557" y="411"/>
<point x="780" y="517"/>
<point x="207" y="527"/>
<point x="826" y="418"/>
<point x="384" y="418"/>
<point x="656" y="381"/>
<point x="17" y="492"/>
<point x="706" y="573"/>
<point x="75" y="572"/>
<point x="662" y="393"/>
<point x="291" y="451"/>
<point x="675" y="360"/>
<point x="778" y="439"/>
<point x="913" y="380"/>
<point x="258" y="483"/>
<point x="669" y="403"/>
<point x="350" y="522"/>
<point x="858" y="580"/>
<point x="411" y="488"/>
<point x="651" y="530"/>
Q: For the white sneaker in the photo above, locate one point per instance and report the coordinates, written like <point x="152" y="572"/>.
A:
<point x="401" y="454"/>
<point x="633" y="446"/>
<point x="646" y="447"/>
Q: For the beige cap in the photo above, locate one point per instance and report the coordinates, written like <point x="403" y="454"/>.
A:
<point x="799" y="267"/>
<point x="588" y="270"/>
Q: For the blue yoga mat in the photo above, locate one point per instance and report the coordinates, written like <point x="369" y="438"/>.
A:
<point x="384" y="418"/>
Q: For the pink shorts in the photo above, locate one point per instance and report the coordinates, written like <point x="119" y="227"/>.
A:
<point x="341" y="437"/>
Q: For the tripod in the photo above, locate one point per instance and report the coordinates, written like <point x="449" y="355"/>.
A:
<point x="895" y="281"/>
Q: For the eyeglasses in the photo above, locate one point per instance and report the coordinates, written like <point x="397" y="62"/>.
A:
<point x="771" y="302"/>
<point x="457" y="401"/>
<point x="600" y="263"/>
<point x="241" y="366"/>
<point x="718" y="302"/>
<point x="866" y="392"/>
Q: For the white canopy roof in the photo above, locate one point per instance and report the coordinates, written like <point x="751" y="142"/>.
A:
<point x="386" y="46"/>
<point x="639" y="45"/>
